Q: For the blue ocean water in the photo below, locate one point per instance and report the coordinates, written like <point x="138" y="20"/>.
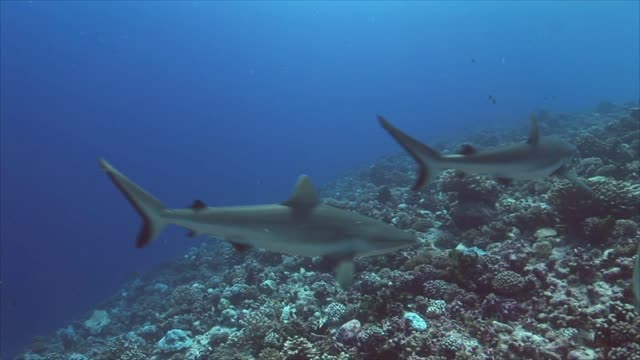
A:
<point x="230" y="101"/>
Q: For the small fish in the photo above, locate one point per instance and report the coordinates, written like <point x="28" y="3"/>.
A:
<point x="297" y="226"/>
<point x="537" y="158"/>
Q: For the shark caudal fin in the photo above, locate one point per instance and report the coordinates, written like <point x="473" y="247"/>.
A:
<point x="150" y="209"/>
<point x="425" y="156"/>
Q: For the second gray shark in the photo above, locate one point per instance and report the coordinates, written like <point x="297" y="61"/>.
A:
<point x="539" y="157"/>
<point x="298" y="226"/>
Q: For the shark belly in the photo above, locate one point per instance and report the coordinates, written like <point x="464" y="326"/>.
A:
<point x="518" y="171"/>
<point x="288" y="239"/>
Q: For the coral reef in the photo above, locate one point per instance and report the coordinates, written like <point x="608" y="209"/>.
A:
<point x="531" y="270"/>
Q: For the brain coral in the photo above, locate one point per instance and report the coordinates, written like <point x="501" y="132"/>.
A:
<point x="610" y="197"/>
<point x="508" y="283"/>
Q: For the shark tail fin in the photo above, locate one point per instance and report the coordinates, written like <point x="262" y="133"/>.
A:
<point x="150" y="209"/>
<point x="425" y="156"/>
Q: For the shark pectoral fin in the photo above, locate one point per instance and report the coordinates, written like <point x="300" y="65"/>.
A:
<point x="573" y="177"/>
<point x="304" y="195"/>
<point x="579" y="183"/>
<point x="534" y="133"/>
<point x="344" y="273"/>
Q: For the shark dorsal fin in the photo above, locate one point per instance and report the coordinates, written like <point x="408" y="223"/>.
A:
<point x="304" y="195"/>
<point x="198" y="205"/>
<point x="534" y="133"/>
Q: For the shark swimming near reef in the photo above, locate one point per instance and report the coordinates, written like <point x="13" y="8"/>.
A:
<point x="297" y="226"/>
<point x="537" y="158"/>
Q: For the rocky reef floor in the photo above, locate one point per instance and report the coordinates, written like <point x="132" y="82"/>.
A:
<point x="530" y="270"/>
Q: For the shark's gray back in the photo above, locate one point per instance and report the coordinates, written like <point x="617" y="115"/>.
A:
<point x="520" y="160"/>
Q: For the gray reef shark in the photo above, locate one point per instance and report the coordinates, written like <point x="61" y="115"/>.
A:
<point x="298" y="226"/>
<point x="537" y="158"/>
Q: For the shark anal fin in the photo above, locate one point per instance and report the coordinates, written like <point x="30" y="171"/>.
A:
<point x="467" y="149"/>
<point x="198" y="205"/>
<point x="504" y="181"/>
<point x="344" y="273"/>
<point x="534" y="133"/>
<point x="304" y="197"/>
